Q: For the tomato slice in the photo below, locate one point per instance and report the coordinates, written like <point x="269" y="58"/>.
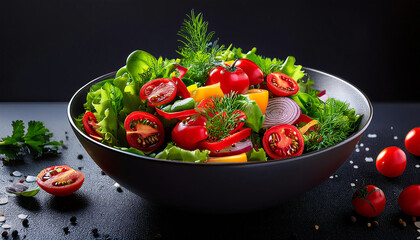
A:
<point x="227" y="141"/>
<point x="144" y="131"/>
<point x="282" y="85"/>
<point x="283" y="141"/>
<point x="228" y="159"/>
<point x="60" y="180"/>
<point x="90" y="125"/>
<point x="179" y="115"/>
<point x="242" y="146"/>
<point x="158" y="91"/>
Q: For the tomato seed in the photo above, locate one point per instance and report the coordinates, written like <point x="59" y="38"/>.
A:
<point x="369" y="224"/>
<point x="316" y="227"/>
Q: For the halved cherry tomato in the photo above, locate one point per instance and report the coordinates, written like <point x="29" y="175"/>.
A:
<point x="228" y="159"/>
<point x="144" y="131"/>
<point x="254" y="73"/>
<point x="232" y="79"/>
<point x="60" y="180"/>
<point x="283" y="141"/>
<point x="412" y="141"/>
<point x="369" y="201"/>
<point x="391" y="162"/>
<point x="409" y="200"/>
<point x="260" y="96"/>
<point x="187" y="133"/>
<point x="90" y="125"/>
<point x="158" y="91"/>
<point x="282" y="85"/>
<point x="227" y="141"/>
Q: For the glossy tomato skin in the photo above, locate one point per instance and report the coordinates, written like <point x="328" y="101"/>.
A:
<point x="234" y="80"/>
<point x="254" y="73"/>
<point x="144" y="131"/>
<point x="369" y="201"/>
<point x="158" y="91"/>
<point x="189" y="132"/>
<point x="412" y="141"/>
<point x="90" y="125"/>
<point x="391" y="162"/>
<point x="283" y="141"/>
<point x="60" y="180"/>
<point x="281" y="85"/>
<point x="409" y="200"/>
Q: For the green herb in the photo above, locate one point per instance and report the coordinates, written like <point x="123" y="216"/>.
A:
<point x="221" y="116"/>
<point x="336" y="122"/>
<point x="198" y="51"/>
<point x="36" y="141"/>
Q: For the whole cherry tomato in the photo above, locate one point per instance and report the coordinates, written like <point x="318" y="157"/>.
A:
<point x="187" y="133"/>
<point x="283" y="141"/>
<point x="254" y="73"/>
<point x="60" y="180"/>
<point x="412" y="141"/>
<point x="409" y="200"/>
<point x="369" y="201"/>
<point x="231" y="79"/>
<point x="144" y="131"/>
<point x="391" y="162"/>
<point x="281" y="85"/>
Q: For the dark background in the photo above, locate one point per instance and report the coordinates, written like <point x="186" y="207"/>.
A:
<point x="51" y="48"/>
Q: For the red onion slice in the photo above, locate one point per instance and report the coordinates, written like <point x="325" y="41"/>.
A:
<point x="281" y="110"/>
<point x="323" y="96"/>
<point x="237" y="148"/>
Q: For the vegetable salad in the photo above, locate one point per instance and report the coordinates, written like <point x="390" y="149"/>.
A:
<point x="213" y="104"/>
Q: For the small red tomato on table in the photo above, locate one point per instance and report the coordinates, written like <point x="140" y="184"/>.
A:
<point x="412" y="141"/>
<point x="231" y="79"/>
<point x="60" y="180"/>
<point x="409" y="200"/>
<point x="391" y="162"/>
<point x="369" y="201"/>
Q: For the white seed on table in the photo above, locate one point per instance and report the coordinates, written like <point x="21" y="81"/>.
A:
<point x="368" y="159"/>
<point x="351" y="162"/>
<point x="4" y="199"/>
<point x="30" y="179"/>
<point x="6" y="226"/>
<point x="357" y="150"/>
<point x="395" y="137"/>
<point x="355" y="166"/>
<point x="361" y="145"/>
<point x="22" y="216"/>
<point x="2" y="218"/>
<point x="417" y="224"/>
<point x="392" y="127"/>
<point x="367" y="149"/>
<point x="336" y="176"/>
<point x="331" y="176"/>
<point x="417" y="166"/>
<point x="117" y="185"/>
<point x="352" y="184"/>
<point x="372" y="135"/>
<point x="17" y="174"/>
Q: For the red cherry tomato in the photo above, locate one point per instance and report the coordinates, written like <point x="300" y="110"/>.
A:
<point x="186" y="134"/>
<point x="369" y="201"/>
<point x="60" y="180"/>
<point x="412" y="141"/>
<point x="158" y="91"/>
<point x="391" y="162"/>
<point x="230" y="78"/>
<point x="144" y="131"/>
<point x="409" y="200"/>
<point x="281" y="85"/>
<point x="91" y="127"/>
<point x="254" y="73"/>
<point x="283" y="141"/>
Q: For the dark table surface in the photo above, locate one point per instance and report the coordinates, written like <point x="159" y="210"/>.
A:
<point x="124" y="215"/>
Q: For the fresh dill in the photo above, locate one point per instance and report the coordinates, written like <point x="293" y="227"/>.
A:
<point x="197" y="49"/>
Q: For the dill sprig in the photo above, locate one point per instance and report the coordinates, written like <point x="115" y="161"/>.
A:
<point x="336" y="122"/>
<point x="221" y="116"/>
<point x="197" y="49"/>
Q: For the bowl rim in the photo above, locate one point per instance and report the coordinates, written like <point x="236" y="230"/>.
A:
<point x="274" y="161"/>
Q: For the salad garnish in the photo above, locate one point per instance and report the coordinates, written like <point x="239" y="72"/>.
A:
<point x="214" y="104"/>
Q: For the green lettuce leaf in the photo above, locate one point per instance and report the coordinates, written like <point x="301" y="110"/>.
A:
<point x="173" y="152"/>
<point x="254" y="116"/>
<point x="255" y="155"/>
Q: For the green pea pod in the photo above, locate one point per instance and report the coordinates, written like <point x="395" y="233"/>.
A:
<point x="184" y="104"/>
<point x="138" y="62"/>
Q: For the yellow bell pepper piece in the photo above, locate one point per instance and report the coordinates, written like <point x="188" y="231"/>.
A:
<point x="207" y="92"/>
<point x="192" y="88"/>
<point x="228" y="159"/>
<point x="260" y="96"/>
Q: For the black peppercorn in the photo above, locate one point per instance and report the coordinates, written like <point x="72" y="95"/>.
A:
<point x="80" y="156"/>
<point x="66" y="230"/>
<point x="25" y="222"/>
<point x="15" y="233"/>
<point x="73" y="220"/>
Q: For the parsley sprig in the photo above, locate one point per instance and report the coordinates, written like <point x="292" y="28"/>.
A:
<point x="36" y="141"/>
